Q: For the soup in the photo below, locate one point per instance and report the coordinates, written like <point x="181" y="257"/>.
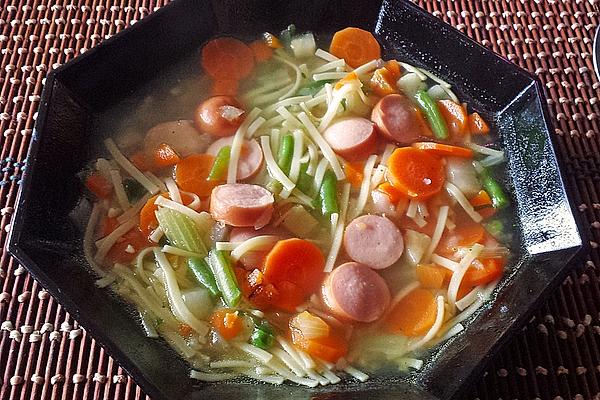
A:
<point x="314" y="215"/>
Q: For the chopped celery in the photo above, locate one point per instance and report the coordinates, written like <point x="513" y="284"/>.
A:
<point x="133" y="189"/>
<point x="203" y="274"/>
<point x="224" y="276"/>
<point x="181" y="231"/>
<point x="313" y="87"/>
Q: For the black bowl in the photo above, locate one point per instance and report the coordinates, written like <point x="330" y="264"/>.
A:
<point x="47" y="227"/>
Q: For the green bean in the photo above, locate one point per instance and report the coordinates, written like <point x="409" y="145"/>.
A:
<point x="203" y="274"/>
<point x="499" y="198"/>
<point x="285" y="154"/>
<point x="432" y="113"/>
<point x="327" y="200"/>
<point x="224" y="276"/>
<point x="219" y="168"/>
<point x="305" y="181"/>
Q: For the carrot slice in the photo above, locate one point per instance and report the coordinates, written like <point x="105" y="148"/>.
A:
<point x="394" y="194"/>
<point x="191" y="174"/>
<point x="225" y="87"/>
<point x="262" y="52"/>
<point x="477" y="125"/>
<point x="393" y="67"/>
<point x="433" y="276"/>
<point x="227" y="322"/>
<point x="99" y="185"/>
<point x="414" y="315"/>
<point x="227" y="58"/>
<point x="354" y="173"/>
<point x="463" y="235"/>
<point x="119" y="252"/>
<point x="355" y="45"/>
<point x="415" y="172"/>
<point x="272" y="41"/>
<point x="165" y="156"/>
<point x="444" y="149"/>
<point x="148" y="221"/>
<point x="382" y="82"/>
<point x="298" y="262"/>
<point x="455" y="116"/>
<point x="492" y="270"/>
<point x="483" y="204"/>
<point x="329" y="348"/>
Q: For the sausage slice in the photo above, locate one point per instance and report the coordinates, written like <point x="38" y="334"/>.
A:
<point x="397" y="120"/>
<point x="374" y="241"/>
<point x="251" y="156"/>
<point x="241" y="204"/>
<point x="356" y="292"/>
<point x="352" y="138"/>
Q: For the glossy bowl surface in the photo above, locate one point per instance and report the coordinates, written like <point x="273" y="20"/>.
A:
<point x="48" y="225"/>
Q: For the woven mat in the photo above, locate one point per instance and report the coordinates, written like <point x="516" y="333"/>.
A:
<point x="44" y="354"/>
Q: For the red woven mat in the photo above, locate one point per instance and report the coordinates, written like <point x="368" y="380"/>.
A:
<point x="44" y="354"/>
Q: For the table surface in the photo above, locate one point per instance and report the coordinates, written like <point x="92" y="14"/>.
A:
<point x="45" y="354"/>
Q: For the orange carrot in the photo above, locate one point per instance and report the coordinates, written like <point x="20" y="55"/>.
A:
<point x="148" y="221"/>
<point x="191" y="174"/>
<point x="351" y="76"/>
<point x="477" y="125"/>
<point x="225" y="87"/>
<point x="433" y="276"/>
<point x="165" y="156"/>
<point x="354" y="173"/>
<point x="329" y="348"/>
<point x="297" y="262"/>
<point x="492" y="270"/>
<point x="227" y="58"/>
<point x="393" y="67"/>
<point x="483" y="204"/>
<point x="394" y="194"/>
<point x="455" y="116"/>
<point x="444" y="149"/>
<point x="272" y="41"/>
<point x="416" y="173"/>
<point x="355" y="45"/>
<point x="185" y="330"/>
<point x="227" y="322"/>
<point x="262" y="51"/>
<point x="422" y="124"/>
<point x="463" y="235"/>
<point x="99" y="185"/>
<point x="382" y="82"/>
<point x="141" y="162"/>
<point x="414" y="314"/>
<point x="119" y="252"/>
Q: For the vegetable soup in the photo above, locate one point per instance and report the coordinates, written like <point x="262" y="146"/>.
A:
<point x="294" y="209"/>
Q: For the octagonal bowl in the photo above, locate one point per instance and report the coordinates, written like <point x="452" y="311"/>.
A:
<point x="48" y="224"/>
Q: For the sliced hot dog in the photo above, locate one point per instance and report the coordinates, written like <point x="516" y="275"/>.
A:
<point x="397" y="120"/>
<point x="374" y="241"/>
<point x="354" y="291"/>
<point x="352" y="138"/>
<point x="241" y="204"/>
<point x="181" y="135"/>
<point x="251" y="156"/>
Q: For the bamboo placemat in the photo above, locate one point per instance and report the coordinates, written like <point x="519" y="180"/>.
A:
<point x="44" y="354"/>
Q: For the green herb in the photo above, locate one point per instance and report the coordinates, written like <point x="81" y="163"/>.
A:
<point x="313" y="87"/>
<point x="262" y="336"/>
